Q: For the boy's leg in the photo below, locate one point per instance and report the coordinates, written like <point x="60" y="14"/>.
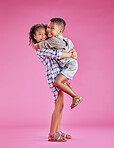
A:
<point x="68" y="84"/>
<point x="57" y="112"/>
<point x="59" y="83"/>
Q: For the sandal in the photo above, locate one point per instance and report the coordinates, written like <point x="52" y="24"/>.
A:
<point x="56" y="138"/>
<point x="65" y="135"/>
<point x="76" y="101"/>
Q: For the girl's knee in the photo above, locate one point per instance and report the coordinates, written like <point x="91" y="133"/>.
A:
<point x="62" y="106"/>
<point x="62" y="93"/>
<point x="60" y="109"/>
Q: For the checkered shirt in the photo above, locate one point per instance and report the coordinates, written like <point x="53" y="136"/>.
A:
<point x="49" y="58"/>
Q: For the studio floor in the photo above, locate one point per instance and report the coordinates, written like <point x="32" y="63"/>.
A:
<point x="36" y="137"/>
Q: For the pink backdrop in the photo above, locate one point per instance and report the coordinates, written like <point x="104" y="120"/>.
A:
<point x="25" y="98"/>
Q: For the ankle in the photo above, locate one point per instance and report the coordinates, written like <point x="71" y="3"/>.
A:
<point x="57" y="131"/>
<point x="75" y="96"/>
<point x="51" y="133"/>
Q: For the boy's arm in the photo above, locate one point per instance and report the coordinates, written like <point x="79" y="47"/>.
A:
<point x="52" y="42"/>
<point x="36" y="46"/>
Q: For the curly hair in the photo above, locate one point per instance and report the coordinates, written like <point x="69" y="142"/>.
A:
<point x="32" y="32"/>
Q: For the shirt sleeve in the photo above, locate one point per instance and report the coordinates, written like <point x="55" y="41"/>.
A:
<point x="43" y="59"/>
<point x="53" y="54"/>
<point x="70" y="44"/>
<point x="53" y="43"/>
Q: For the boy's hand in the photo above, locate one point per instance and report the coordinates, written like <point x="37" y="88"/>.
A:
<point x="36" y="46"/>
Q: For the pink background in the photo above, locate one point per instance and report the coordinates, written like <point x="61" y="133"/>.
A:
<point x="25" y="98"/>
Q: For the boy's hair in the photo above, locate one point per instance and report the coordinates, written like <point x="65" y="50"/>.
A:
<point x="60" y="22"/>
<point x="32" y="32"/>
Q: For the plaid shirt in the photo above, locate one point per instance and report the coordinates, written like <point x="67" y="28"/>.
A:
<point x="49" y="58"/>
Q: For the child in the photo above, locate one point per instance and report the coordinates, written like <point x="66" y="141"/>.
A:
<point x="48" y="58"/>
<point x="69" y="66"/>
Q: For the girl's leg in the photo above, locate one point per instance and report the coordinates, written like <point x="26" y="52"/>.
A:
<point x="60" y="117"/>
<point x="59" y="123"/>
<point x="57" y="114"/>
<point x="62" y="101"/>
<point x="59" y="83"/>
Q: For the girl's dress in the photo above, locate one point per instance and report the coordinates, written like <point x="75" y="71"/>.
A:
<point x="49" y="58"/>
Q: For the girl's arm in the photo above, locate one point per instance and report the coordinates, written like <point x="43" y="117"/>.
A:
<point x="66" y="55"/>
<point x="54" y="54"/>
<point x="49" y="53"/>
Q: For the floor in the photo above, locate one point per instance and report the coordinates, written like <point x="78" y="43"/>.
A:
<point x="82" y="137"/>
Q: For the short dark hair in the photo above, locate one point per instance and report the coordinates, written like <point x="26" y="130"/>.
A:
<point x="32" y="32"/>
<point x="59" y="21"/>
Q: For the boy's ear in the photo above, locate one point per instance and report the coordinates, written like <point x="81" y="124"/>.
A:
<point x="61" y="31"/>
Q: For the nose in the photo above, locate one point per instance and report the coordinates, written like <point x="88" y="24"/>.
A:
<point x="43" y="36"/>
<point x="48" y="29"/>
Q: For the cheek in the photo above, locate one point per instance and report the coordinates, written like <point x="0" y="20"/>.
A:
<point x="39" y="37"/>
<point x="53" y="31"/>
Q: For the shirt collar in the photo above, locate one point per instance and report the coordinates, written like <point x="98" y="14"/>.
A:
<point x="60" y="36"/>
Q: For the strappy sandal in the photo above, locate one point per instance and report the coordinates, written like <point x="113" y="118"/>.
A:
<point x="76" y="101"/>
<point x="65" y="135"/>
<point x="56" y="138"/>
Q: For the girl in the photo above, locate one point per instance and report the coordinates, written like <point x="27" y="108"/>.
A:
<point x="48" y="58"/>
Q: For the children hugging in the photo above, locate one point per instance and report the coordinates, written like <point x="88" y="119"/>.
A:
<point x="60" y="58"/>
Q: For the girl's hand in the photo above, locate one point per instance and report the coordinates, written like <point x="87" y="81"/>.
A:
<point x="74" y="53"/>
<point x="36" y="46"/>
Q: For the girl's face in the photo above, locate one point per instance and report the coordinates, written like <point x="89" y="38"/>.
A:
<point x="40" y="34"/>
<point x="53" y="29"/>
